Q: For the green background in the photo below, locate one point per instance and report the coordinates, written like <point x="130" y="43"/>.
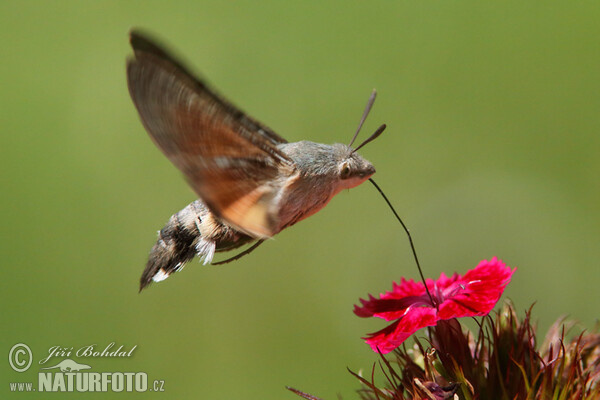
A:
<point x="492" y="148"/>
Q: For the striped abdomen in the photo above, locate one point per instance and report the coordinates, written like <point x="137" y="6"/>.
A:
<point x="192" y="231"/>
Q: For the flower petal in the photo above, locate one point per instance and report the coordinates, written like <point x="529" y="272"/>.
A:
<point x="477" y="292"/>
<point x="390" y="309"/>
<point x="395" y="334"/>
<point x="406" y="288"/>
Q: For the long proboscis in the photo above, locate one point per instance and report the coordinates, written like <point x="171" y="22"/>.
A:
<point x="412" y="245"/>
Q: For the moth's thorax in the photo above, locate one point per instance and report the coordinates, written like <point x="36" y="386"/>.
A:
<point x="321" y="171"/>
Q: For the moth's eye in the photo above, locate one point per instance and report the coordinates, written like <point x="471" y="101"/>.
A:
<point x="345" y="171"/>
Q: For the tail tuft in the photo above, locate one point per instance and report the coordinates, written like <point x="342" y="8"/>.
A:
<point x="178" y="242"/>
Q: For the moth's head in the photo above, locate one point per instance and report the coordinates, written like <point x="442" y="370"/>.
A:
<point x="352" y="168"/>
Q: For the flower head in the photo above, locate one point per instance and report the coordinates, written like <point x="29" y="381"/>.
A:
<point x="409" y="305"/>
<point x="504" y="358"/>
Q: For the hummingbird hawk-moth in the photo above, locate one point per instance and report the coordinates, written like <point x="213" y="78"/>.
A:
<point x="251" y="182"/>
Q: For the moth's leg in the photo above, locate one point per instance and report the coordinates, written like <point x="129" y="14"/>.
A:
<point x="240" y="255"/>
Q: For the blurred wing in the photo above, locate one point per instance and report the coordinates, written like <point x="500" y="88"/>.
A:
<point x="228" y="158"/>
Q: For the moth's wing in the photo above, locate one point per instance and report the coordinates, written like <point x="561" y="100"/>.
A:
<point x="229" y="159"/>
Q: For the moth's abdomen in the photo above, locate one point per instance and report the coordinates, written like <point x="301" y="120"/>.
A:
<point x="192" y="231"/>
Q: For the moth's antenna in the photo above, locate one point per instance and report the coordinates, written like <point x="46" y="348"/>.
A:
<point x="374" y="136"/>
<point x="412" y="246"/>
<point x="364" y="116"/>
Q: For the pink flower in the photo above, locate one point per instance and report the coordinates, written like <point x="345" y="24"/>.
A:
<point x="408" y="305"/>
